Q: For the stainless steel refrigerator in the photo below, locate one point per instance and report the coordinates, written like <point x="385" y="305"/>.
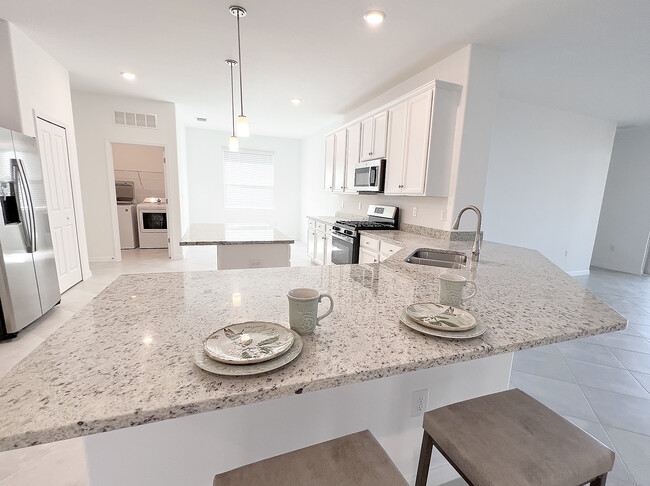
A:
<point x="29" y="284"/>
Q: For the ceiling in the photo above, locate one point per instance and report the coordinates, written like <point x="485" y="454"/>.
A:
<point x="588" y="56"/>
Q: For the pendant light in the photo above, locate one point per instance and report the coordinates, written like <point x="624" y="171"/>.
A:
<point x="234" y="141"/>
<point x="243" y="129"/>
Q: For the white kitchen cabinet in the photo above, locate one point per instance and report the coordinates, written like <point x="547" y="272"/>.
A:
<point x="311" y="241"/>
<point x="353" y="155"/>
<point x="374" y="136"/>
<point x="340" y="154"/>
<point x="420" y="145"/>
<point x="319" y="248"/>
<point x="367" y="256"/>
<point x="328" y="246"/>
<point x="387" y="249"/>
<point x="328" y="183"/>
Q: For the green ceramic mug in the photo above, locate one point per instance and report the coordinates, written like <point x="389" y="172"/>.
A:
<point x="303" y="309"/>
<point x="451" y="289"/>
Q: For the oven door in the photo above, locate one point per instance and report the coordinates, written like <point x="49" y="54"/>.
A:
<point x="345" y="249"/>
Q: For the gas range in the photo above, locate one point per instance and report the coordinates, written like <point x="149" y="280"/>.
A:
<point x="345" y="234"/>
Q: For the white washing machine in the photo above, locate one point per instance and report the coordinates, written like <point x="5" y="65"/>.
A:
<point x="152" y="223"/>
<point x="127" y="219"/>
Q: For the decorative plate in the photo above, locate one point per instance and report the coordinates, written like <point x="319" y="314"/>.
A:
<point x="217" y="368"/>
<point x="472" y="333"/>
<point x="248" y="342"/>
<point x="440" y="316"/>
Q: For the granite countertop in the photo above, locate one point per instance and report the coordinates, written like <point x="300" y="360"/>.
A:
<point x="126" y="358"/>
<point x="233" y="234"/>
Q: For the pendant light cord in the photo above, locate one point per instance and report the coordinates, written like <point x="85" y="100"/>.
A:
<point x="241" y="93"/>
<point x="232" y="98"/>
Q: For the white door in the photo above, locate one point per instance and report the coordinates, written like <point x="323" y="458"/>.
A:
<point x="58" y="193"/>
<point x="366" y="138"/>
<point x="396" y="149"/>
<point x="417" y="143"/>
<point x="352" y="156"/>
<point x="380" y="129"/>
<point x="340" y="150"/>
<point x="329" y="163"/>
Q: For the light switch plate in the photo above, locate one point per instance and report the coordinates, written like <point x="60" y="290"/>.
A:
<point x="415" y="211"/>
<point x="443" y="214"/>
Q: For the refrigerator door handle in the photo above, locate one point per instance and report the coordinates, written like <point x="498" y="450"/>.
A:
<point x="31" y="247"/>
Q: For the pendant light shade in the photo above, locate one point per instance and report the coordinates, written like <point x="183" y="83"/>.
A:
<point x="243" y="127"/>
<point x="233" y="145"/>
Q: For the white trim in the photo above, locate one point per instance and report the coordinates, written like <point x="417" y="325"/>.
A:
<point x="101" y="259"/>
<point x="75" y="181"/>
<point x="578" y="273"/>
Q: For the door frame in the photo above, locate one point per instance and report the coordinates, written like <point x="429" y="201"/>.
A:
<point x="75" y="187"/>
<point x="171" y="221"/>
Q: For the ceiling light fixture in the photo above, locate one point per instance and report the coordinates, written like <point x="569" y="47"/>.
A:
<point x="296" y="101"/>
<point x="127" y="75"/>
<point x="374" y="17"/>
<point x="243" y="129"/>
<point x="233" y="145"/>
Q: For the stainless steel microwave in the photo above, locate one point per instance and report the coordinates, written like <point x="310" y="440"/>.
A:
<point x="369" y="176"/>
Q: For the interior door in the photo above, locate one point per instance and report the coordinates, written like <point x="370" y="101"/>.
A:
<point x="417" y="143"/>
<point x="58" y="191"/>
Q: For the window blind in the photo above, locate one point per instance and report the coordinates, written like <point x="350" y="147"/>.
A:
<point x="248" y="180"/>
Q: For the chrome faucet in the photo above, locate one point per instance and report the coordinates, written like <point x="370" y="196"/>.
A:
<point x="476" y="249"/>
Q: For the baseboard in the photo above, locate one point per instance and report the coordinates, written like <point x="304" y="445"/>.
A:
<point x="101" y="259"/>
<point x="578" y="273"/>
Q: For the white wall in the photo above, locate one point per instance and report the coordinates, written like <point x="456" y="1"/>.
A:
<point x="40" y="85"/>
<point x="624" y="226"/>
<point x="95" y="129"/>
<point x="205" y="180"/>
<point x="473" y="67"/>
<point x="545" y="182"/>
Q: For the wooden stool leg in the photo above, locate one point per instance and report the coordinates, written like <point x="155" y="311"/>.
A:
<point x="425" y="460"/>
<point x="599" y="481"/>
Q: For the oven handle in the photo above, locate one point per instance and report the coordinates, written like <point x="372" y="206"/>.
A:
<point x="342" y="237"/>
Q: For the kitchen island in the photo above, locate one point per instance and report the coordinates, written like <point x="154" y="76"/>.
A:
<point x="242" y="245"/>
<point x="118" y="371"/>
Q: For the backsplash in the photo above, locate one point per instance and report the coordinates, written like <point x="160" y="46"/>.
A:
<point x="438" y="233"/>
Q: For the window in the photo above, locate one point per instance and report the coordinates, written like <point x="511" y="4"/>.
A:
<point x="248" y="180"/>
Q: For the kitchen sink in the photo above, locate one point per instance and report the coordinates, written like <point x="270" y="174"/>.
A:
<point x="437" y="258"/>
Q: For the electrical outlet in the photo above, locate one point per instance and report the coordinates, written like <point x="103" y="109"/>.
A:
<point x="443" y="215"/>
<point x="342" y="204"/>
<point x="415" y="211"/>
<point x="419" y="404"/>
<point x="360" y="206"/>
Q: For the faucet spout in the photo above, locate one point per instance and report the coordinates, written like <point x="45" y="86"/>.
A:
<point x="476" y="249"/>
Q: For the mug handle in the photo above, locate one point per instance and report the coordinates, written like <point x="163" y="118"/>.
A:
<point x="473" y="292"/>
<point x="329" y="311"/>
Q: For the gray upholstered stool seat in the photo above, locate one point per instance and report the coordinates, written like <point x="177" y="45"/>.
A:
<point x="356" y="460"/>
<point x="509" y="438"/>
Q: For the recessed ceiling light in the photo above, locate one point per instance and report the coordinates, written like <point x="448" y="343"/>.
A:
<point x="296" y="101"/>
<point x="374" y="17"/>
<point x="129" y="76"/>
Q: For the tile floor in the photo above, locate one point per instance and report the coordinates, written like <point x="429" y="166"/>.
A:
<point x="601" y="384"/>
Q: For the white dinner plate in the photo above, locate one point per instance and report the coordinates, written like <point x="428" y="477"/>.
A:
<point x="472" y="333"/>
<point x="248" y="342"/>
<point x="441" y="316"/>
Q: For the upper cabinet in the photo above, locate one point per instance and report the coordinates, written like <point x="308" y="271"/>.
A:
<point x="329" y="163"/>
<point x="373" y="136"/>
<point x="415" y="134"/>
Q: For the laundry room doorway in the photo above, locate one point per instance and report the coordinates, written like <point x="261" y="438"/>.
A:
<point x="140" y="199"/>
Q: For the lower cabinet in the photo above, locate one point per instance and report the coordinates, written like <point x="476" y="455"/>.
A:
<point x="368" y="256"/>
<point x="319" y="242"/>
<point x="319" y="249"/>
<point x="311" y="240"/>
<point x="373" y="251"/>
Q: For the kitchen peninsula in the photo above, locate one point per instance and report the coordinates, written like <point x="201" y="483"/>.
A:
<point x="242" y="245"/>
<point x="123" y="366"/>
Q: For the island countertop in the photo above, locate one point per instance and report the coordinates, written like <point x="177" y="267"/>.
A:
<point x="233" y="234"/>
<point x="126" y="358"/>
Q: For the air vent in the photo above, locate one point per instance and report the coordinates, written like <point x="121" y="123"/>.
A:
<point x="139" y="120"/>
<point x="201" y="119"/>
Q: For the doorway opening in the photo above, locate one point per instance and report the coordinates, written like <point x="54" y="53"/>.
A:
<point x="140" y="198"/>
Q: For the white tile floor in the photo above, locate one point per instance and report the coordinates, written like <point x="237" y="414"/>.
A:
<point x="601" y="384"/>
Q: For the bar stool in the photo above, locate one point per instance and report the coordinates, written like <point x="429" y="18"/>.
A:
<point x="510" y="439"/>
<point x="355" y="460"/>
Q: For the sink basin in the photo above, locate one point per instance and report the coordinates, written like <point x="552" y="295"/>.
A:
<point x="437" y="258"/>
